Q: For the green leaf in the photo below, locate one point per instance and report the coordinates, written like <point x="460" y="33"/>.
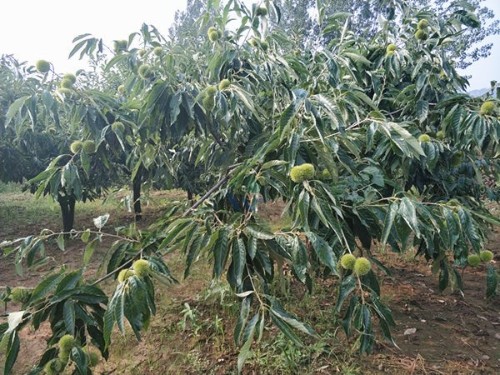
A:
<point x="367" y="338"/>
<point x="69" y="282"/>
<point x="79" y="358"/>
<point x="239" y="260"/>
<point x="245" y="351"/>
<point x="89" y="251"/>
<point x="46" y="286"/>
<point x="221" y="250"/>
<point x="486" y="217"/>
<point x="289" y="113"/>
<point x="389" y="221"/>
<point x="422" y="110"/>
<point x="347" y="319"/>
<point x="292" y="321"/>
<point x="13" y="345"/>
<point x="324" y="251"/>
<point x="60" y="241"/>
<point x="85" y="236"/>
<point x="347" y="286"/>
<point x="409" y="215"/>
<point x="258" y="232"/>
<point x="15" y="107"/>
<point x="242" y="319"/>
<point x="69" y="316"/>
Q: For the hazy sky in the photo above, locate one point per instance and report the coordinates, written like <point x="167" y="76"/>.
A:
<point x="44" y="29"/>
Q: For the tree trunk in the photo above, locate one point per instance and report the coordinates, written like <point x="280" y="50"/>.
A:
<point x="67" y="204"/>
<point x="136" y="187"/>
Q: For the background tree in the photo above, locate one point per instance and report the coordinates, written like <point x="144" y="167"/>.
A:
<point x="24" y="150"/>
<point x="300" y="17"/>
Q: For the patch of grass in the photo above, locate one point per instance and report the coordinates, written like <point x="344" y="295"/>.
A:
<point x="10" y="187"/>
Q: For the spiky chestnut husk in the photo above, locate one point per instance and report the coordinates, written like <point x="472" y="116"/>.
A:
<point x="261" y="12"/>
<point x="141" y="267"/>
<point x="124" y="275"/>
<point x="70" y="77"/>
<point x="213" y="34"/>
<point x="158" y="51"/>
<point x="347" y="261"/>
<point x="224" y="84"/>
<point x="486" y="256"/>
<point x="66" y="83"/>
<point x="93" y="358"/>
<point x="64" y="91"/>
<point x="53" y="367"/>
<point x="424" y="138"/>
<point x="88" y="146"/>
<point x="145" y="71"/>
<point x="43" y="66"/>
<point x="20" y="294"/>
<point x="487" y="108"/>
<point x="118" y="126"/>
<point x="121" y="89"/>
<point x="390" y="54"/>
<point x="208" y="103"/>
<point x="302" y="172"/>
<point x="325" y="174"/>
<point x="362" y="266"/>
<point x="76" y="147"/>
<point x="422" y="24"/>
<point x="473" y="260"/>
<point x="421" y="35"/>
<point x="66" y="343"/>
<point x="142" y="52"/>
<point x="391" y="48"/>
<point x="440" y="135"/>
<point x="210" y="91"/>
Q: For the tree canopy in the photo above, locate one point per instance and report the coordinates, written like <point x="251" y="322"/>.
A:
<point x="368" y="139"/>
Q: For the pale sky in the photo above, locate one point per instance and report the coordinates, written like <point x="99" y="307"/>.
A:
<point x="44" y="29"/>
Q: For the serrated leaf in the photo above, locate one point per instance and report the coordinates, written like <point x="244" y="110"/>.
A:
<point x="69" y="316"/>
<point x="324" y="251"/>
<point x="258" y="232"/>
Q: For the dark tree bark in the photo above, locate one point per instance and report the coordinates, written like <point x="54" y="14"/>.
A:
<point x="136" y="188"/>
<point x="67" y="204"/>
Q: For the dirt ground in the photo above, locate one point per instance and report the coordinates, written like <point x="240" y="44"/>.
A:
<point x="436" y="333"/>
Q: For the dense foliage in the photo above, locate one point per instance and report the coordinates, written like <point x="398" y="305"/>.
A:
<point x="370" y="141"/>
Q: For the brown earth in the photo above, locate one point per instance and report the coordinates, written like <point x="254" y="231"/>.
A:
<point x="450" y="333"/>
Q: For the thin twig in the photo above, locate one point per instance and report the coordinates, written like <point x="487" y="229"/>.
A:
<point x="219" y="183"/>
